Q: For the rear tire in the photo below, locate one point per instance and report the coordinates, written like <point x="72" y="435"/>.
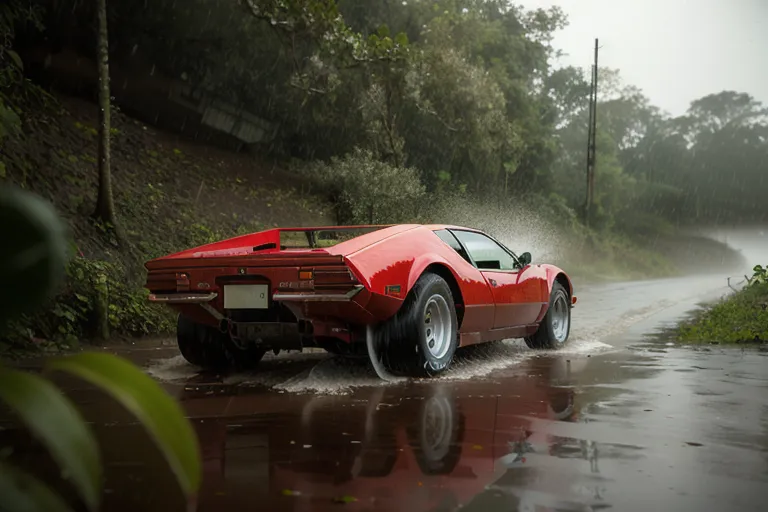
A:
<point x="555" y="327"/>
<point x="421" y="339"/>
<point x="211" y="349"/>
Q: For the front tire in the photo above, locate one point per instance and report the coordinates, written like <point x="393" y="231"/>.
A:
<point x="211" y="349"/>
<point x="555" y="327"/>
<point x="421" y="339"/>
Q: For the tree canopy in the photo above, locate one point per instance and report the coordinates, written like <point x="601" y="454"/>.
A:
<point x="464" y="93"/>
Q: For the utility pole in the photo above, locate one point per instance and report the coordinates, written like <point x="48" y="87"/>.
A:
<point x="591" y="141"/>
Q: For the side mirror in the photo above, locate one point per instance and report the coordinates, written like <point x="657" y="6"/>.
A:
<point x="525" y="259"/>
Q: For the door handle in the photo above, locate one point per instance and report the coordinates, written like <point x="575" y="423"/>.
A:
<point x="493" y="282"/>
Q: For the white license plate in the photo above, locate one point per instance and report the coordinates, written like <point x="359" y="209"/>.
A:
<point x="246" y="296"/>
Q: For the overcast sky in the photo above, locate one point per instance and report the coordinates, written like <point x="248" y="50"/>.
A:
<point x="674" y="50"/>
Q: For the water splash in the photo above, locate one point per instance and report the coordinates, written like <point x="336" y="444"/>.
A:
<point x="518" y="226"/>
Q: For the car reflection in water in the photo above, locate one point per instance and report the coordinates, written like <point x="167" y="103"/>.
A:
<point x="427" y="446"/>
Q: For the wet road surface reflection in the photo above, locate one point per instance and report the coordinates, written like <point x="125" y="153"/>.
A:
<point x="611" y="422"/>
<point x="650" y="426"/>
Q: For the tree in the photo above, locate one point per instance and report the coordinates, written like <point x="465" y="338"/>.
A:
<point x="105" y="202"/>
<point x="716" y="112"/>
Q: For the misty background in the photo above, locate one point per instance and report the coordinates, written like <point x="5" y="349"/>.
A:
<point x="674" y="50"/>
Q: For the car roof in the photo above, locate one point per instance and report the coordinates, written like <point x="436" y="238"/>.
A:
<point x="435" y="227"/>
<point x="432" y="227"/>
<point x="387" y="228"/>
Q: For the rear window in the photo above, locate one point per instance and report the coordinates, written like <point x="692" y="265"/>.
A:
<point x="321" y="238"/>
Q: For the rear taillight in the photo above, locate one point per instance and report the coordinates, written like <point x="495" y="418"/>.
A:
<point x="182" y="282"/>
<point x="162" y="282"/>
<point x="334" y="277"/>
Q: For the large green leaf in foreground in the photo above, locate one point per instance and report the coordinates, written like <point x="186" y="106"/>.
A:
<point x="33" y="250"/>
<point x="22" y="492"/>
<point x="52" y="418"/>
<point x="158" y="412"/>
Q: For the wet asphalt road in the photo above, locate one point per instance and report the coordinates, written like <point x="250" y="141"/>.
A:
<point x="616" y="420"/>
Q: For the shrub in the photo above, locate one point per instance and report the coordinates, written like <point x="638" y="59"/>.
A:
<point x="366" y="190"/>
<point x="95" y="301"/>
<point x="759" y="276"/>
<point x="742" y="318"/>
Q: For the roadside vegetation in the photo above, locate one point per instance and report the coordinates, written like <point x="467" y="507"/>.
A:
<point x="739" y="318"/>
<point x="33" y="261"/>
<point x="446" y="111"/>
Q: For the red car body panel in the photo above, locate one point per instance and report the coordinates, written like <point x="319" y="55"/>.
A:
<point x="357" y="282"/>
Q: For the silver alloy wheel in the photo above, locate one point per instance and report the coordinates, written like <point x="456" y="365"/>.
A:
<point x="437" y="326"/>
<point x="560" y="318"/>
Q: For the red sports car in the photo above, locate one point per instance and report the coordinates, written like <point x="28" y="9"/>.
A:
<point x="407" y="296"/>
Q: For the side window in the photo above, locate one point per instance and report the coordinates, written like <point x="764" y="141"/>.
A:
<point x="448" y="238"/>
<point x="488" y="255"/>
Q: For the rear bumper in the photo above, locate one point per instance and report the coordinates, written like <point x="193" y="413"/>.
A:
<point x="182" y="298"/>
<point x="203" y="298"/>
<point x="334" y="306"/>
<point x="317" y="297"/>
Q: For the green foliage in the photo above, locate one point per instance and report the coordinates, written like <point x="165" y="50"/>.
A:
<point x="43" y="409"/>
<point x="94" y="291"/>
<point x="704" y="166"/>
<point x="759" y="276"/>
<point x="612" y="256"/>
<point x="129" y="310"/>
<point x="10" y="124"/>
<point x="162" y="416"/>
<point x="33" y="252"/>
<point x="443" y="86"/>
<point x="321" y="21"/>
<point x="12" y="13"/>
<point x="69" y="439"/>
<point x="463" y="91"/>
<point x="22" y="491"/>
<point x="54" y="420"/>
<point x="740" y="318"/>
<point x="366" y="190"/>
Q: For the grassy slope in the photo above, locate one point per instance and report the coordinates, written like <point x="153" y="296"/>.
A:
<point x="740" y="318"/>
<point x="169" y="192"/>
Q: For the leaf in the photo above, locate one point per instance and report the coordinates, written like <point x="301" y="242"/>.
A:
<point x="16" y="59"/>
<point x="162" y="416"/>
<point x="52" y="418"/>
<point x="345" y="499"/>
<point x="33" y="252"/>
<point x="22" y="492"/>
